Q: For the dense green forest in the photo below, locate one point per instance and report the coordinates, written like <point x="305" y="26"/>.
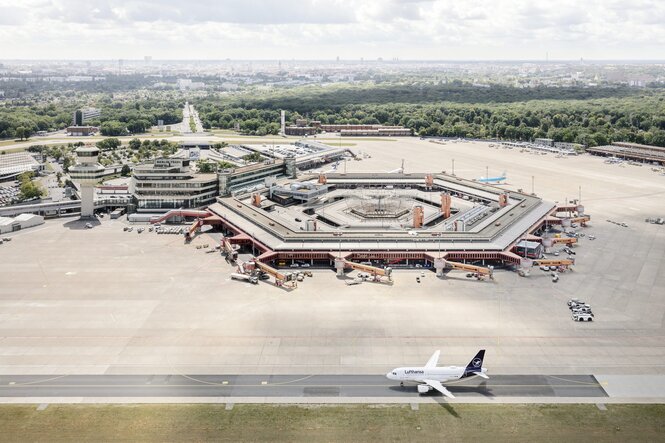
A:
<point x="589" y="116"/>
<point x="578" y="115"/>
<point x="119" y="117"/>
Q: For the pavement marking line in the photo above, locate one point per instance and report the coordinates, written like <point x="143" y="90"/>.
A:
<point x="573" y="381"/>
<point x="225" y="382"/>
<point x="292" y="381"/>
<point x="265" y="383"/>
<point x="41" y="381"/>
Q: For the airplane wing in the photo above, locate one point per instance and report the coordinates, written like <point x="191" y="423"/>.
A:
<point x="433" y="360"/>
<point x="439" y="387"/>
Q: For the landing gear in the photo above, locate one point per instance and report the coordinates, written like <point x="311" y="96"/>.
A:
<point x="401" y="384"/>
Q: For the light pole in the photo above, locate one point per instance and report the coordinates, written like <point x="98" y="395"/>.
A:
<point x="453" y="166"/>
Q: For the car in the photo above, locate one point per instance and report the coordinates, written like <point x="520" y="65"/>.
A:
<point x="295" y="265"/>
<point x="126" y="228"/>
<point x="592" y="237"/>
<point x="88" y="225"/>
<point x="552" y="268"/>
<point x="575" y="301"/>
<point x="544" y="268"/>
<point x="581" y="308"/>
<point x="304" y="265"/>
<point x="556" y="253"/>
<point x="583" y="317"/>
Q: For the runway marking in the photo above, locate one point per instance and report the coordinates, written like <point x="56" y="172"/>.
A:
<point x="41" y="381"/>
<point x="573" y="381"/>
<point x="292" y="381"/>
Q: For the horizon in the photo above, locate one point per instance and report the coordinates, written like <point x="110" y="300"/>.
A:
<point x="265" y="30"/>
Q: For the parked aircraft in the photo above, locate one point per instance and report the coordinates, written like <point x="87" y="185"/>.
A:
<point x="431" y="377"/>
<point x="492" y="179"/>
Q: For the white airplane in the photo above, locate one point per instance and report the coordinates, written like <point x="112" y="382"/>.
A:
<point x="430" y="376"/>
<point x="498" y="179"/>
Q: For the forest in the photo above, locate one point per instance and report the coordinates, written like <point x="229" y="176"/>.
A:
<point x="118" y="117"/>
<point x="589" y="116"/>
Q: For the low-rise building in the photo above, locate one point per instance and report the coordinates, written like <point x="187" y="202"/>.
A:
<point x="168" y="183"/>
<point x="16" y="163"/>
<point x="81" y="131"/>
<point x="21" y="221"/>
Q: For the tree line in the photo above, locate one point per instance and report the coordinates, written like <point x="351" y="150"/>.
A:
<point x="618" y="115"/>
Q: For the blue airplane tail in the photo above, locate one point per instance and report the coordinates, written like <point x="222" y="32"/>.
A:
<point x="475" y="365"/>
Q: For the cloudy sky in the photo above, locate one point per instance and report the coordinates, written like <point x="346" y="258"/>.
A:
<point x="325" y="29"/>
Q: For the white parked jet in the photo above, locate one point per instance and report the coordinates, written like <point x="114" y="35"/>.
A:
<point x="430" y="376"/>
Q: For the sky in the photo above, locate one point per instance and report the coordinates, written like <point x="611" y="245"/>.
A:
<point x="326" y="29"/>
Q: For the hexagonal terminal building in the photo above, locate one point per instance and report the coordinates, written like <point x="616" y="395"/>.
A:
<point x="87" y="172"/>
<point x="417" y="219"/>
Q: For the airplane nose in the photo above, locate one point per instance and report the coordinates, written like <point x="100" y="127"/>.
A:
<point x="389" y="376"/>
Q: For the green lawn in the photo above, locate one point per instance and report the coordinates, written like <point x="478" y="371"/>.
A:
<point x="357" y="423"/>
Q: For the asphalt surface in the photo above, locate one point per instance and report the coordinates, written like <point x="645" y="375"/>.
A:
<point x="288" y="386"/>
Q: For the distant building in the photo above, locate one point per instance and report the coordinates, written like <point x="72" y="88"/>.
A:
<point x="168" y="183"/>
<point x="187" y="83"/>
<point x="367" y="130"/>
<point x="544" y="141"/>
<point x="81" y="131"/>
<point x="81" y="116"/>
<point x="631" y="151"/>
<point x="300" y="130"/>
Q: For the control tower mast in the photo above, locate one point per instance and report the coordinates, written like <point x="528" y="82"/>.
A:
<point x="87" y="172"/>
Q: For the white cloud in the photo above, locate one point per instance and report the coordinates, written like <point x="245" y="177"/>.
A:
<point x="409" y="29"/>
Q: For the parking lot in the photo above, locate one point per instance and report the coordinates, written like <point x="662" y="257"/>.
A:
<point x="104" y="300"/>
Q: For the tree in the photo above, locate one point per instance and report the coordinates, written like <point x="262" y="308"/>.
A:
<point x="109" y="144"/>
<point x="206" y="167"/>
<point x="134" y="144"/>
<point x="66" y="163"/>
<point x="125" y="171"/>
<point x="113" y="128"/>
<point x="253" y="157"/>
<point x="29" y="189"/>
<point x="22" y="132"/>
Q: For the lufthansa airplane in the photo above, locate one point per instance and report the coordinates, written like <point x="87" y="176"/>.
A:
<point x="430" y="376"/>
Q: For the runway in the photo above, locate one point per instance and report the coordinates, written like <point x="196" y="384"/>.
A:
<point x="311" y="386"/>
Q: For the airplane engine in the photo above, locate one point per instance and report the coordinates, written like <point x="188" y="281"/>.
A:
<point x="423" y="389"/>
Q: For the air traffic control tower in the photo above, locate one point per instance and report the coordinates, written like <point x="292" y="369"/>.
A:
<point x="87" y="172"/>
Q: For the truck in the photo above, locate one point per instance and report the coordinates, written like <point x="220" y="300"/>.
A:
<point x="248" y="278"/>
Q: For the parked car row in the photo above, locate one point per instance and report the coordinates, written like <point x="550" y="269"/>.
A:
<point x="580" y="310"/>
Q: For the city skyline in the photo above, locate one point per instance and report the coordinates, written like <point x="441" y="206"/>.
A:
<point x="315" y="30"/>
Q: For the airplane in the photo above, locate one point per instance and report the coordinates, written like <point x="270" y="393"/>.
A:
<point x="492" y="179"/>
<point x="430" y="376"/>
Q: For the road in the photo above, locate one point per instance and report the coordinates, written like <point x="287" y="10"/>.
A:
<point x="288" y="386"/>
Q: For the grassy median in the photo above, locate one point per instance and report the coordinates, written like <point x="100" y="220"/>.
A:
<point x="357" y="423"/>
